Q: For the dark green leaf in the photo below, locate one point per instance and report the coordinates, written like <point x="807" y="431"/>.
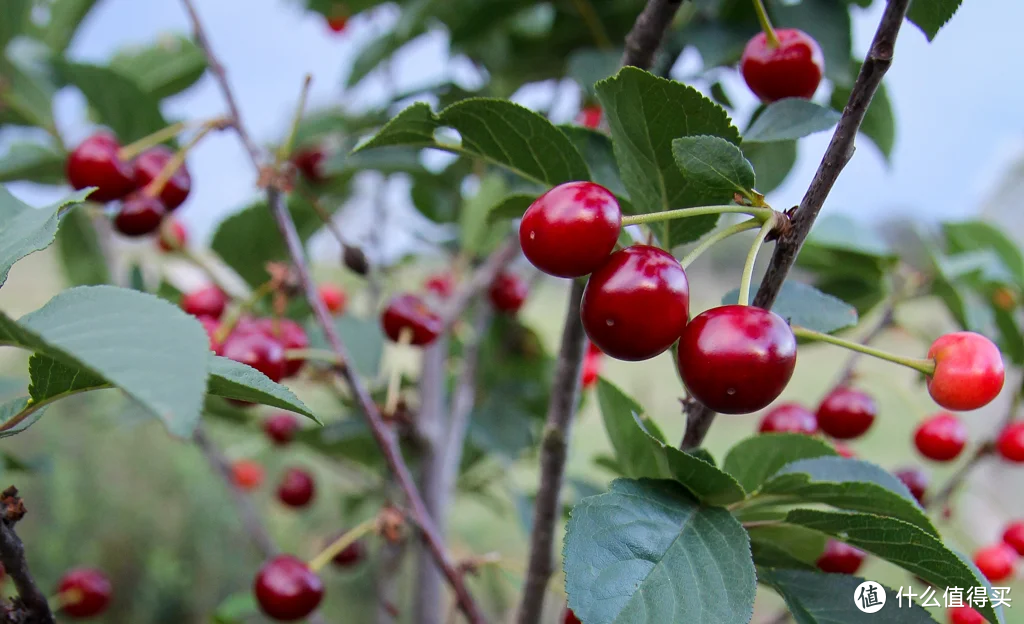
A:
<point x="879" y="122"/>
<point x="168" y="67"/>
<point x="772" y="162"/>
<point x="51" y="378"/>
<point x="32" y="162"/>
<point x="511" y="207"/>
<point x="362" y="337"/>
<point x="26" y="98"/>
<point x="783" y="546"/>
<point x="829" y="23"/>
<point x="714" y="163"/>
<point x="119" y="102"/>
<point x="236" y="608"/>
<point x="719" y="95"/>
<point x="591" y="65"/>
<point x="14" y="18"/>
<point x="718" y="43"/>
<point x="597" y="150"/>
<point x="647" y="553"/>
<point x="80" y="251"/>
<point x="24" y="229"/>
<point x="755" y="459"/>
<point x="65" y="17"/>
<point x="806" y="306"/>
<point x="16" y="408"/>
<point x="968" y="236"/>
<point x="932" y="15"/>
<point x="233" y="380"/>
<point x="477" y="234"/>
<point x="790" y="119"/>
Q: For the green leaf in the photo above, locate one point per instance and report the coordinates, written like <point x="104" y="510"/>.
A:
<point x="647" y="553"/>
<point x="65" y="17"/>
<point x="168" y="67"/>
<point x="879" y="121"/>
<point x="118" y="101"/>
<point x="754" y="460"/>
<point x="80" y="251"/>
<point x="841" y="233"/>
<point x="898" y="542"/>
<point x="14" y="18"/>
<point x="411" y="24"/>
<point x="476" y="232"/>
<point x="719" y="95"/>
<point x="714" y="163"/>
<point x="24" y="229"/>
<point x="816" y="598"/>
<point x="362" y="337"/>
<point x="829" y="23"/>
<point x="790" y="119"/>
<point x="931" y="15"/>
<point x="236" y="608"/>
<point x="13" y="408"/>
<point x="27" y="96"/>
<point x="149" y="348"/>
<point x="783" y="546"/>
<point x="591" y="65"/>
<point x="597" y="150"/>
<point x="968" y="236"/>
<point x="806" y="306"/>
<point x="32" y="162"/>
<point x="771" y="161"/>
<point x="511" y="207"/>
<point x="499" y="131"/>
<point x="51" y="378"/>
<point x="234" y="380"/>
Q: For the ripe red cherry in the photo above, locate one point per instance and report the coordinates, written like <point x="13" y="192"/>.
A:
<point x="246" y="474"/>
<point x="442" y="285"/>
<point x="968" y="371"/>
<point x="508" y="292"/>
<point x="173" y="235"/>
<point x="996" y="562"/>
<point x="281" y="428"/>
<point x="737" y="359"/>
<point x="790" y="418"/>
<point x="941" y="437"/>
<point x="207" y="301"/>
<point x="288" y="333"/>
<point x="570" y="230"/>
<point x="338" y="23"/>
<point x="286" y="589"/>
<point x="139" y="215"/>
<point x="95" y="163"/>
<point x="409" y="311"/>
<point x="259" y="351"/>
<point x="150" y="164"/>
<point x="846" y="413"/>
<point x="916" y="481"/>
<point x="1011" y="442"/>
<point x="636" y="305"/>
<point x="212" y="326"/>
<point x="965" y="615"/>
<point x="297" y="488"/>
<point x="334" y="298"/>
<point x="840" y="558"/>
<point x="351" y="555"/>
<point x="309" y="161"/>
<point x="1014" y="537"/>
<point x="590" y="117"/>
<point x="591" y="370"/>
<point x="791" y="69"/>
<point x="570" y="617"/>
<point x="85" y="592"/>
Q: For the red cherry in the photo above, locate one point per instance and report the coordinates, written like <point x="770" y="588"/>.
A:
<point x="968" y="371"/>
<point x="139" y="215"/>
<point x="290" y="334"/>
<point x="846" y="413"/>
<point x="259" y="351"/>
<point x="843" y="450"/>
<point x="941" y="437"/>
<point x="636" y="305"/>
<point x="150" y="164"/>
<point x="85" y="592"/>
<point x="442" y="285"/>
<point x="593" y="349"/>
<point x="737" y="359"/>
<point x="791" y="69"/>
<point x="570" y="230"/>
<point x="1014" y="537"/>
<point x="334" y="298"/>
<point x="246" y="474"/>
<point x="570" y="617"/>
<point x="965" y="615"/>
<point x="95" y="163"/>
<point x="591" y="370"/>
<point x="309" y="162"/>
<point x="297" y="488"/>
<point x="286" y="589"/>
<point x="173" y="235"/>
<point x="790" y="418"/>
<point x="996" y="562"/>
<point x="281" y="428"/>
<point x="409" y="311"/>
<point x="212" y="326"/>
<point x="508" y="292"/>
<point x="1011" y="442"/>
<point x="590" y="117"/>
<point x="840" y="558"/>
<point x="337" y="23"/>
<point x="351" y="555"/>
<point x="207" y="301"/>
<point x="916" y="481"/>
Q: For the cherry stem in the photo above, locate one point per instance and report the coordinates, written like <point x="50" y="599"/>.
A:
<point x="65" y="598"/>
<point x="748" y="266"/>
<point x="132" y="150"/>
<point x="395" y="380"/>
<point x="156" y="186"/>
<point x="285" y="151"/>
<point x="316" y="355"/>
<point x="235" y="315"/>
<point x="766" y="24"/>
<point x="762" y="214"/>
<point x="924" y="365"/>
<point x="718" y="237"/>
<point x="350" y="537"/>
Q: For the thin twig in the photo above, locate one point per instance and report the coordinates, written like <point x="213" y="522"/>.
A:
<point x="33" y="603"/>
<point x="479" y="281"/>
<point x="839" y="152"/>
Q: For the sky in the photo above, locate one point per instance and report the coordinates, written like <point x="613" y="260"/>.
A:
<point x="956" y="101"/>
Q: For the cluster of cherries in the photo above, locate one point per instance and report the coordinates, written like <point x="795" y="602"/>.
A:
<point x="997" y="563"/>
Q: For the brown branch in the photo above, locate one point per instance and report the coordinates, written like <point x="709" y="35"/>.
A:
<point x="839" y="152"/>
<point x="31" y="601"/>
<point x="645" y="37"/>
<point x="479" y="281"/>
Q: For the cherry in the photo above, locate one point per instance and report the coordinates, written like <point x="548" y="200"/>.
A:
<point x="85" y="592"/>
<point x="996" y="562"/>
<point x="941" y="437"/>
<point x="409" y="311"/>
<point x="95" y="163"/>
<point x="737" y="359"/>
<point x="789" y="418"/>
<point x="287" y="589"/>
<point x="246" y="474"/>
<point x="570" y="230"/>
<point x="590" y="117"/>
<point x="508" y="292"/>
<point x="570" y="617"/>
<point x="173" y="236"/>
<point x="351" y="555"/>
<point x="791" y="69"/>
<point x="281" y="428"/>
<point x="442" y="285"/>
<point x="1011" y="442"/>
<point x="297" y="488"/>
<point x="139" y="215"/>
<point x="289" y="334"/>
<point x="207" y="301"/>
<point x="334" y="298"/>
<point x="1014" y="537"/>
<point x="150" y="164"/>
<point x="338" y="23"/>
<point x="840" y="558"/>
<point x="916" y="481"/>
<point x="309" y="161"/>
<point x="257" y="350"/>
<point x="212" y="326"/>
<point x="965" y="615"/>
<point x="591" y="370"/>
<point x="846" y="413"/>
<point x="843" y="450"/>
<point x="968" y="371"/>
<point x="636" y="305"/>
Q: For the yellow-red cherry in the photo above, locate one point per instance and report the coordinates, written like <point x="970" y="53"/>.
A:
<point x="139" y="215"/>
<point x="793" y="68"/>
<point x="996" y="562"/>
<point x="408" y="312"/>
<point x="1010" y="443"/>
<point x="840" y="558"/>
<point x="297" y="488"/>
<point x="636" y="304"/>
<point x="85" y="592"/>
<point x="207" y="301"/>
<point x="916" y="481"/>
<point x="334" y="298"/>
<point x="246" y="474"/>
<point x="969" y="371"/>
<point x="287" y="589"/>
<point x="737" y="359"/>
<point x="150" y="164"/>
<point x="570" y="230"/>
<point x="847" y="413"/>
<point x="95" y="163"/>
<point x="789" y="418"/>
<point x="941" y="437"/>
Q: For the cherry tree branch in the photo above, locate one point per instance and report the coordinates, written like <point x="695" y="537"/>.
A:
<point x="33" y="603"/>
<point x="838" y="154"/>
<point x="645" y="37"/>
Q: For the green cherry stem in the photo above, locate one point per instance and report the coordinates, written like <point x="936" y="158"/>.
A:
<point x="285" y="151"/>
<point x="766" y="24"/>
<point x="924" y="365"/>
<point x="718" y="237"/>
<point x="350" y="537"/>
<point x="762" y="214"/>
<point x="132" y="150"/>
<point x="748" y="266"/>
<point x="235" y="315"/>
